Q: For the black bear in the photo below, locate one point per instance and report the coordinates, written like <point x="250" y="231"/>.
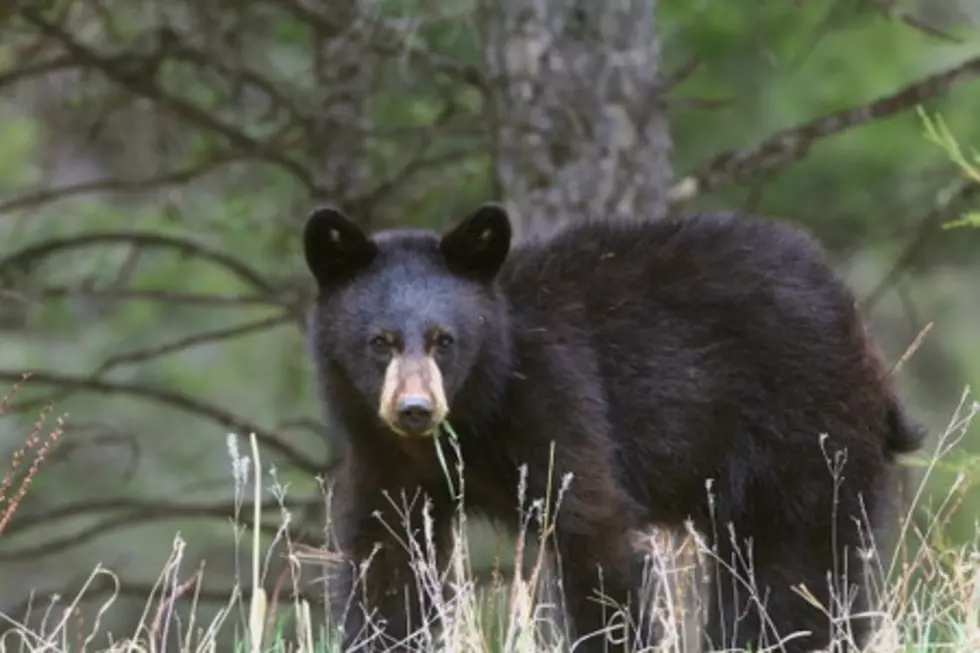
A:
<point x="708" y="367"/>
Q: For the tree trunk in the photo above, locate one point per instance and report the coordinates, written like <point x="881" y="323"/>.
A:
<point x="576" y="106"/>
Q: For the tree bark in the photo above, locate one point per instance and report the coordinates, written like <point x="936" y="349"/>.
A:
<point x="577" y="112"/>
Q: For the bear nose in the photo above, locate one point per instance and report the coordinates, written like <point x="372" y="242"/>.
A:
<point x="414" y="413"/>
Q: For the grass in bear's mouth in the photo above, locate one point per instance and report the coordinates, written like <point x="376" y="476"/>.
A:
<point x="454" y="440"/>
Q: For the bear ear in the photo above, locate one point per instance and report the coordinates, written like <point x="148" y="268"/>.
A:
<point x="478" y="246"/>
<point x="335" y="247"/>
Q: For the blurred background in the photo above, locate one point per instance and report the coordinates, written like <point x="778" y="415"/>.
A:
<point x="158" y="160"/>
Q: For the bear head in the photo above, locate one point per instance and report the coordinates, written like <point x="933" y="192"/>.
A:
<point x="402" y="318"/>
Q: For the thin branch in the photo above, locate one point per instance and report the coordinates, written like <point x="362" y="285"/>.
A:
<point x="929" y="228"/>
<point x="207" y="337"/>
<point x="176" y="400"/>
<point x="46" y="248"/>
<point x="105" y="527"/>
<point x="789" y="145"/>
<point x="390" y="42"/>
<point x="163" y="296"/>
<point x="832" y="18"/>
<point x="681" y="73"/>
<point x="890" y="10"/>
<point x="145" y="86"/>
<point x="194" y="340"/>
<point x="416" y="165"/>
<point x="37" y="198"/>
<point x="164" y="349"/>
<point x="22" y="72"/>
<point x="101" y="441"/>
<point x="146" y="513"/>
<point x="24" y="520"/>
<point x="277" y="100"/>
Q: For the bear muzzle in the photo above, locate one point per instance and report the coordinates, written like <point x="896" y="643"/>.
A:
<point x="413" y="399"/>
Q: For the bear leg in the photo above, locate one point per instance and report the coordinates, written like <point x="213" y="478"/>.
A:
<point x="602" y="578"/>
<point x="376" y="597"/>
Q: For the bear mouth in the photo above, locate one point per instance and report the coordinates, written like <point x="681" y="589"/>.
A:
<point x="402" y="433"/>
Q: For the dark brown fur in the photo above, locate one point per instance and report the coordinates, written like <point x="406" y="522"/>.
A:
<point x="661" y="358"/>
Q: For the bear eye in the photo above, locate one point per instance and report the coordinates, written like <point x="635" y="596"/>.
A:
<point x="444" y="341"/>
<point x="380" y="344"/>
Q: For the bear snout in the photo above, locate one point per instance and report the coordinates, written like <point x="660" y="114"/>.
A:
<point x="413" y="399"/>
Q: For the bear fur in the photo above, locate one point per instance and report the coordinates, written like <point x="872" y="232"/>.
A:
<point x="707" y="368"/>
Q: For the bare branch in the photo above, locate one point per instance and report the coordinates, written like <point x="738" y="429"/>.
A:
<point x="85" y="535"/>
<point x="277" y="99"/>
<point x="145" y="86"/>
<point x="417" y="164"/>
<point x="139" y="512"/>
<point x="929" y="228"/>
<point x="174" y="178"/>
<point x="23" y="72"/>
<point x="34" y="253"/>
<point x="177" y="400"/>
<point x="789" y="145"/>
<point x="388" y="41"/>
<point x="194" y="340"/>
<point x="681" y="73"/>
<point x="890" y="10"/>
<point x="32" y="405"/>
<point x="24" y="520"/>
<point x="150" y="353"/>
<point x="107" y="436"/>
<point x="163" y="296"/>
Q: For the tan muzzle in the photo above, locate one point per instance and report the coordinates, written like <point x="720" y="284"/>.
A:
<point x="413" y="399"/>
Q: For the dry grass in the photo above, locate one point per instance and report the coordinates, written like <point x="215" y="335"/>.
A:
<point x="930" y="594"/>
<point x="35" y="448"/>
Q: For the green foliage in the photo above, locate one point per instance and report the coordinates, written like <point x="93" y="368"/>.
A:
<point x="782" y="64"/>
<point x="938" y="133"/>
